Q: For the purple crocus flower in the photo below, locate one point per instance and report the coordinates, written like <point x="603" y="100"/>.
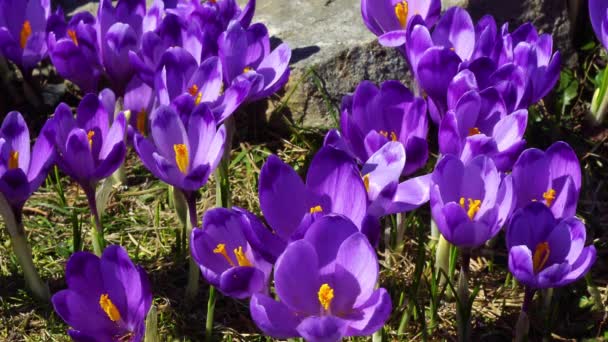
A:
<point x="333" y="185"/>
<point x="182" y="154"/>
<point x="598" y="12"/>
<point x="552" y="177"/>
<point x="324" y="292"/>
<point x="225" y="257"/>
<point x="373" y="116"/>
<point x="107" y="298"/>
<point x="479" y="124"/>
<point x="547" y="252"/>
<point x="22" y="170"/>
<point x="245" y="53"/>
<point x="140" y="101"/>
<point x="470" y="202"/>
<point x="89" y="147"/>
<point x="23" y="31"/>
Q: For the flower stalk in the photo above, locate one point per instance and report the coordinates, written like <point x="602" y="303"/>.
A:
<point x="523" y="322"/>
<point x="463" y="314"/>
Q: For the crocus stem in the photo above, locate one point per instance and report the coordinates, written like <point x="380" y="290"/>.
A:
<point x="523" y="322"/>
<point x="210" y="313"/>
<point x="193" y="270"/>
<point x="463" y="314"/>
<point x="442" y="258"/>
<point x="97" y="232"/>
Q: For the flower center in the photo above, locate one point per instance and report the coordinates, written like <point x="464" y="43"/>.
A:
<point x="241" y="258"/>
<point x="473" y="206"/>
<point x="26" y="32"/>
<point x="181" y="157"/>
<point x="13" y="160"/>
<point x="385" y="134"/>
<point x="141" y="121"/>
<point x="109" y="308"/>
<point x="549" y="196"/>
<point x="474" y="131"/>
<point x="541" y="255"/>
<point x="247" y="69"/>
<point x="401" y="10"/>
<point x="72" y="35"/>
<point x="198" y="95"/>
<point x="325" y="294"/>
<point x="90" y="136"/>
<point x="366" y="182"/>
<point x="316" y="209"/>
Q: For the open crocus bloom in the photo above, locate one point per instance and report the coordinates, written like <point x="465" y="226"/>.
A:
<point x="479" y="124"/>
<point x="469" y="202"/>
<point x="552" y="177"/>
<point x="373" y="116"/>
<point x="545" y="252"/>
<point x="225" y="257"/>
<point x="598" y="12"/>
<point x="245" y="53"/>
<point x="325" y="293"/>
<point x="107" y="299"/>
<point x="88" y="147"/>
<point x="23" y="31"/>
<point x="22" y="170"/>
<point x="182" y="154"/>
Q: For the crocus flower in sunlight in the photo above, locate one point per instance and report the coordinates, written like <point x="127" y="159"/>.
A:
<point x="373" y="116"/>
<point x="552" y="177"/>
<point x="479" y="124"/>
<point x="245" y="53"/>
<point x="107" y="298"/>
<point x="546" y="252"/>
<point x="324" y="292"/>
<point x="598" y="12"/>
<point x="23" y="31"/>
<point x="225" y="257"/>
<point x="182" y="154"/>
<point x="470" y="202"/>
<point x="91" y="146"/>
<point x="333" y="185"/>
<point x="22" y="170"/>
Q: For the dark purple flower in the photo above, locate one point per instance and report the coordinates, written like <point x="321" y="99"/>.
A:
<point x="22" y="170"/>
<point x="107" y="299"/>
<point x="470" y="202"/>
<point x="479" y="124"/>
<point x="371" y="117"/>
<point x="88" y="147"/>
<point x="546" y="252"/>
<point x="182" y="154"/>
<point x="598" y="12"/>
<point x="23" y="31"/>
<point x="245" y="53"/>
<point x="552" y="177"/>
<point x="324" y="292"/>
<point x="225" y="257"/>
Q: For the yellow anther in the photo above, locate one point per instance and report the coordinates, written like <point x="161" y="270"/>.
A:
<point x="325" y="294"/>
<point x="109" y="308"/>
<point x="13" y="160"/>
<point x="473" y="206"/>
<point x="90" y="136"/>
<point x="366" y="182"/>
<point x="140" y="121"/>
<point x="383" y="133"/>
<point x="549" y="196"/>
<point x="452" y="49"/>
<point x="193" y="90"/>
<point x="26" y="32"/>
<point x="474" y="131"/>
<point x="72" y="35"/>
<point x="247" y="69"/>
<point x="221" y="249"/>
<point x="316" y="209"/>
<point x="241" y="258"/>
<point x="541" y="255"/>
<point x="401" y="10"/>
<point x="393" y="136"/>
<point x="198" y="95"/>
<point x="181" y="157"/>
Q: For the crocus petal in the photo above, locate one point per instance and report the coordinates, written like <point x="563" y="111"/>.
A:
<point x="322" y="329"/>
<point x="262" y="239"/>
<point x="242" y="282"/>
<point x="530" y="225"/>
<point x="520" y="264"/>
<point x="455" y="30"/>
<point x="581" y="266"/>
<point x="384" y="167"/>
<point x="14" y="130"/>
<point x="275" y="69"/>
<point x="374" y="313"/>
<point x="564" y="162"/>
<point x="363" y="268"/>
<point x="78" y="157"/>
<point x="326" y="235"/>
<point x="411" y="194"/>
<point x="168" y="131"/>
<point x="273" y="318"/>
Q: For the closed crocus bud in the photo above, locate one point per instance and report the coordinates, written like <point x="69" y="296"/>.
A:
<point x="324" y="292"/>
<point x="225" y="257"/>
<point x="470" y="202"/>
<point x="107" y="298"/>
<point x="545" y="252"/>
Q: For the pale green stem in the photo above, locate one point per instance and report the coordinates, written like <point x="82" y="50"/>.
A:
<point x="151" y="326"/>
<point x="193" y="269"/>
